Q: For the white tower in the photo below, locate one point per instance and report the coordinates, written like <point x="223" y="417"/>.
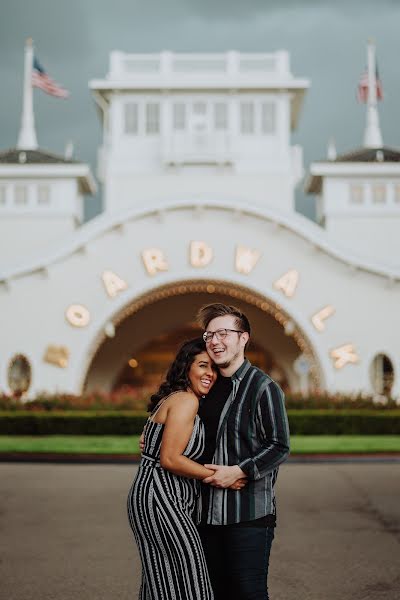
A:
<point x="358" y="193"/>
<point x="41" y="194"/>
<point x="174" y="123"/>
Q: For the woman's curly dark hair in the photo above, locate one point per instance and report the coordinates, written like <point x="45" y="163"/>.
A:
<point x="177" y="378"/>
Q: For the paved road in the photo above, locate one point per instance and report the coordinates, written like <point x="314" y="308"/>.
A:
<point x="64" y="533"/>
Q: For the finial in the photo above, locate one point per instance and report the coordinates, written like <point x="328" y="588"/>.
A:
<point x="331" y="150"/>
<point x="69" y="150"/>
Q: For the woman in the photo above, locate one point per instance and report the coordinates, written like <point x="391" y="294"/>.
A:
<point x="163" y="500"/>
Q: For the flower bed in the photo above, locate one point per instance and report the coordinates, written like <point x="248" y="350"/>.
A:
<point x="137" y="400"/>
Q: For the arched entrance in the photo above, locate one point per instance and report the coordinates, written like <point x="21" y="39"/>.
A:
<point x="149" y="330"/>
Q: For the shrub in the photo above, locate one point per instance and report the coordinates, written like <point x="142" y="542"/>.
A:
<point x="128" y="398"/>
<point x="302" y="422"/>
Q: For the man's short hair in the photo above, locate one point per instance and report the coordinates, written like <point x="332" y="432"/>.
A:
<point x="210" y="311"/>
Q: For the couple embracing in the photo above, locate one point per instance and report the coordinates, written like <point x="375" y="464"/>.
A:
<point x="202" y="506"/>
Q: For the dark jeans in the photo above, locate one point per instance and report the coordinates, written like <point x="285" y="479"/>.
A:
<point x="237" y="559"/>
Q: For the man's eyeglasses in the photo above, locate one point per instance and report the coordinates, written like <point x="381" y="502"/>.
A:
<point x="220" y="334"/>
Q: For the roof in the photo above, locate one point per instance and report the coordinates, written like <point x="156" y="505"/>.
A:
<point x="378" y="156"/>
<point x="18" y="162"/>
<point x="20" y="156"/>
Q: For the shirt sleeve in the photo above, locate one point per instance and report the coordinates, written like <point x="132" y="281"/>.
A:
<point x="273" y="434"/>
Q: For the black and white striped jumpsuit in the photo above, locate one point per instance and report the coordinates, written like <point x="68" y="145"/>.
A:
<point x="162" y="511"/>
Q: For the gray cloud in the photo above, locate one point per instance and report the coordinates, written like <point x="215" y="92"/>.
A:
<point x="326" y="41"/>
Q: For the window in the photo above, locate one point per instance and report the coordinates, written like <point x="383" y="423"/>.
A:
<point x="268" y="117"/>
<point x="19" y="374"/>
<point x="152" y="118"/>
<point x="21" y="194"/>
<point x="356" y="194"/>
<point x="131" y="118"/>
<point x="179" y="116"/>
<point x="3" y="195"/>
<point x="247" y="117"/>
<point x="379" y="194"/>
<point x="43" y="195"/>
<point x="220" y="116"/>
<point x="397" y="193"/>
<point x="382" y="374"/>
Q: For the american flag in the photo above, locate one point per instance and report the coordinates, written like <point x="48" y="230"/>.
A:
<point x="362" y="89"/>
<point x="41" y="80"/>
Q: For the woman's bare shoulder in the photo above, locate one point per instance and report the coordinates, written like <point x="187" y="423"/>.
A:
<point x="183" y="399"/>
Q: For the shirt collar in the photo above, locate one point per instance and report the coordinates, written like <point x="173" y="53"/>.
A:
<point x="242" y="370"/>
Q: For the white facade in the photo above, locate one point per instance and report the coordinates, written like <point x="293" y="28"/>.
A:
<point x="199" y="124"/>
<point x="41" y="203"/>
<point x="199" y="209"/>
<point x="359" y="204"/>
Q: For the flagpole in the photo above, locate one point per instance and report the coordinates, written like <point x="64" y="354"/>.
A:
<point x="372" y="134"/>
<point x="27" y="136"/>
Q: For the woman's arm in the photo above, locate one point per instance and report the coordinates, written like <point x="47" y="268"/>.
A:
<point x="178" y="426"/>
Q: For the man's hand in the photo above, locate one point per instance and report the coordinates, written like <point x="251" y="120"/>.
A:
<point x="224" y="476"/>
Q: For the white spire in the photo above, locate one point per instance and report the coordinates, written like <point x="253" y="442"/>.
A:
<point x="27" y="135"/>
<point x="372" y="134"/>
<point x="331" y="150"/>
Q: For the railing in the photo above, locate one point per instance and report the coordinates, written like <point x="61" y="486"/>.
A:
<point x="169" y="63"/>
<point x="197" y="149"/>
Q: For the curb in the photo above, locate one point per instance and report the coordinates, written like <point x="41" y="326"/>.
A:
<point x="134" y="459"/>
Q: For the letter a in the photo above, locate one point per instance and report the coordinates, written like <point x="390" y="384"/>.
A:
<point x="288" y="283"/>
<point x="113" y="283"/>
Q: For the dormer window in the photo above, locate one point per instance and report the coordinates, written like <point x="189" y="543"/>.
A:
<point x="379" y="194"/>
<point x="152" y="118"/>
<point x="43" y="195"/>
<point x="356" y="193"/>
<point x="21" y="195"/>
<point x="220" y="116"/>
<point x="247" y="117"/>
<point x="268" y="119"/>
<point x="179" y="116"/>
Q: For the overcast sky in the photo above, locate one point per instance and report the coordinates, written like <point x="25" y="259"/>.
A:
<point x="326" y="41"/>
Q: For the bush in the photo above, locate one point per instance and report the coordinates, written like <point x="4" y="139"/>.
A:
<point x="302" y="422"/>
<point x="72" y="423"/>
<point x="344" y="422"/>
<point x="126" y="398"/>
<point x="130" y="399"/>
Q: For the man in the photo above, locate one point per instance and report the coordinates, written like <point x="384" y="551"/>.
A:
<point x="247" y="436"/>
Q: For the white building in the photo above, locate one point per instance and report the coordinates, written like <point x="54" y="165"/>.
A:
<point x="198" y="177"/>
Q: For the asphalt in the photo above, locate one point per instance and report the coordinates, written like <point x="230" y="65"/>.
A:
<point x="64" y="532"/>
<point x="132" y="459"/>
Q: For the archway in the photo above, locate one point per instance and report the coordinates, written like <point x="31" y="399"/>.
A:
<point x="154" y="324"/>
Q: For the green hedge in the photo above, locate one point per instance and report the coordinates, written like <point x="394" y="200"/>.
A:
<point x="302" y="422"/>
<point x="344" y="422"/>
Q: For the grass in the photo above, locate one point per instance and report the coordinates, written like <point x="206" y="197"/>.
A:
<point x="312" y="444"/>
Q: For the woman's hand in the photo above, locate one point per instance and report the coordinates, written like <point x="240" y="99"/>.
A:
<point x="224" y="476"/>
<point x="238" y="485"/>
<point x="141" y="442"/>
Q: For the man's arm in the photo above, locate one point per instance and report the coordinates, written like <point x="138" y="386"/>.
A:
<point x="272" y="423"/>
<point x="273" y="428"/>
